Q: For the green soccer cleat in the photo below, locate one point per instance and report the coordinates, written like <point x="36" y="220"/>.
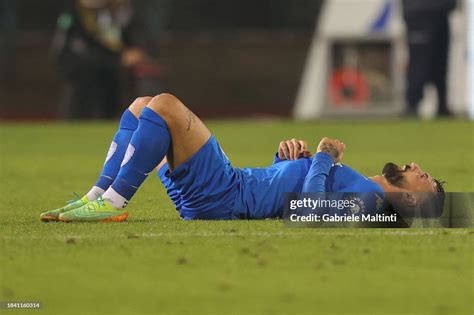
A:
<point x="98" y="210"/>
<point x="53" y="215"/>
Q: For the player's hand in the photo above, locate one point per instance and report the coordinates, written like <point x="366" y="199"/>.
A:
<point x="333" y="147"/>
<point x="293" y="149"/>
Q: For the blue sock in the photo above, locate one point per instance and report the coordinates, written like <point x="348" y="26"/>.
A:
<point x="118" y="147"/>
<point x="147" y="148"/>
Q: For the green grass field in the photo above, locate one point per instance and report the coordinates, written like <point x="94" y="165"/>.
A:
<point x="157" y="264"/>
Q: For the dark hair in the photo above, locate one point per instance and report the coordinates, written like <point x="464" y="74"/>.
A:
<point x="434" y="206"/>
<point x="440" y="185"/>
<point x="393" y="175"/>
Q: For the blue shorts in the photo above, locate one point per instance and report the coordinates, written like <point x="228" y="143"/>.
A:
<point x="204" y="187"/>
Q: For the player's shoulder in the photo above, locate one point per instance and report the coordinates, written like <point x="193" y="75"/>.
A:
<point x="376" y="188"/>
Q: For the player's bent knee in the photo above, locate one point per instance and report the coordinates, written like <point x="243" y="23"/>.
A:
<point x="139" y="104"/>
<point x="165" y="104"/>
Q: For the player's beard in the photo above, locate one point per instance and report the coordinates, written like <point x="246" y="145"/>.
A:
<point x="393" y="174"/>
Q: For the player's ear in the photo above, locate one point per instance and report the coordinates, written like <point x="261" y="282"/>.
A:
<point x="409" y="199"/>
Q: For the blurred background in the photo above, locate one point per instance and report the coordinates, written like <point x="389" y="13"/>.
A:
<point x="88" y="59"/>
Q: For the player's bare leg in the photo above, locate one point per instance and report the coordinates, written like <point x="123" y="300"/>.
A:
<point x="188" y="132"/>
<point x="139" y="104"/>
<point x="162" y="163"/>
<point x="166" y="128"/>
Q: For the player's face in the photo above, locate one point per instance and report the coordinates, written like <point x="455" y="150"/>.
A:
<point x="409" y="177"/>
<point x="417" y="180"/>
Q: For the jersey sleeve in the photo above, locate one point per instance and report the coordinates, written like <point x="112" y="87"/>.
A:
<point x="315" y="180"/>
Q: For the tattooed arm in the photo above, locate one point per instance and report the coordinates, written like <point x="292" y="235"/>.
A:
<point x="334" y="148"/>
<point x="329" y="151"/>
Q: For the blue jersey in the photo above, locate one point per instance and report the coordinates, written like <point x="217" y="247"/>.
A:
<point x="263" y="188"/>
<point x="208" y="187"/>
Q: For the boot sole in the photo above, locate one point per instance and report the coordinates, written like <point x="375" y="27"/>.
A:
<point x="119" y="218"/>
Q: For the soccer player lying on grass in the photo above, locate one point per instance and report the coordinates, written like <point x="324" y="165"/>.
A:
<point x="162" y="133"/>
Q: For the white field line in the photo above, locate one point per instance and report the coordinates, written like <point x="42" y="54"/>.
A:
<point x="287" y="234"/>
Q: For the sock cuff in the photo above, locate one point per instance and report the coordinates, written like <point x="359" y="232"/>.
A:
<point x="123" y="188"/>
<point x="152" y="116"/>
<point x="94" y="193"/>
<point x="128" y="120"/>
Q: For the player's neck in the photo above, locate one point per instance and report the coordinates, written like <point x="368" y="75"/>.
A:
<point x="386" y="186"/>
